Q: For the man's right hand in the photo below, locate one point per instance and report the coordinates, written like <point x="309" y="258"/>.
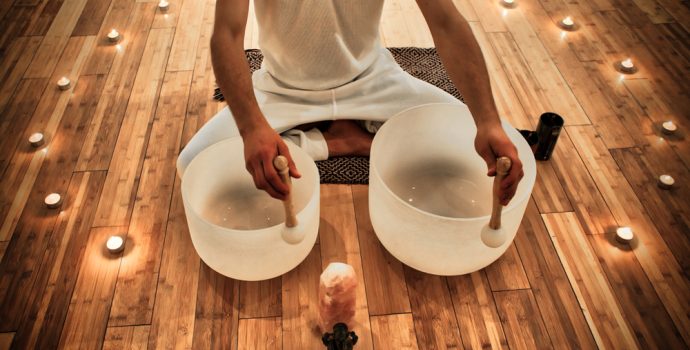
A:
<point x="261" y="145"/>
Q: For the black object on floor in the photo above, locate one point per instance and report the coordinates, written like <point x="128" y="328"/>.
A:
<point x="422" y="63"/>
<point x="340" y="339"/>
<point x="548" y="129"/>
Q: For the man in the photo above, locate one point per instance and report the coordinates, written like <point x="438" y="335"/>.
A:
<point x="324" y="61"/>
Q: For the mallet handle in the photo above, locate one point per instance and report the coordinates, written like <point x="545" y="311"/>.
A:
<point x="503" y="165"/>
<point x="281" y="165"/>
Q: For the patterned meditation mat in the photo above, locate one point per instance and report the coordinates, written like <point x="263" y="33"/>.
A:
<point x="421" y="63"/>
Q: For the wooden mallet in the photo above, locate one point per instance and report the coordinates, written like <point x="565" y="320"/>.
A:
<point x="282" y="166"/>
<point x="503" y="165"/>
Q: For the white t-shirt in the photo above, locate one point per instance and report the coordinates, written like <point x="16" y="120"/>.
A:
<point x="318" y="44"/>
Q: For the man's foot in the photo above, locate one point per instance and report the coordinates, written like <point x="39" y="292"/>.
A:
<point x="347" y="138"/>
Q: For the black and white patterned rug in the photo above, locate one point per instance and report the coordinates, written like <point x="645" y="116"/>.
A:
<point x="421" y="63"/>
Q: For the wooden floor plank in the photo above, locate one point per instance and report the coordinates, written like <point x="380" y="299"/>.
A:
<point x="168" y="18"/>
<point x="176" y="292"/>
<point x="183" y="51"/>
<point x="3" y="249"/>
<point x="92" y="17"/>
<point x="557" y="302"/>
<point x="524" y="327"/>
<point x="383" y="274"/>
<point x="216" y="321"/>
<point x="395" y="32"/>
<point x="44" y="14"/>
<point x="582" y="192"/>
<point x="339" y="243"/>
<point x="13" y="25"/>
<point x="116" y="204"/>
<point x="301" y="304"/>
<point x="476" y="313"/>
<point x="261" y="298"/>
<point x="132" y="337"/>
<point x="202" y="107"/>
<point x="260" y="334"/>
<point x="660" y="110"/>
<point x="13" y="66"/>
<point x="393" y="332"/>
<point x="669" y="210"/>
<point x="89" y="307"/>
<point x="138" y="276"/>
<point x="597" y="300"/>
<point x="656" y="259"/>
<point x="50" y="295"/>
<point x="6" y="340"/>
<point x="548" y="193"/>
<point x="680" y="12"/>
<point x="434" y="320"/>
<point x="27" y="257"/>
<point x="55" y="40"/>
<point x="553" y="86"/>
<point x="641" y="305"/>
<point x="121" y="67"/>
<point x="490" y="15"/>
<point x="507" y="273"/>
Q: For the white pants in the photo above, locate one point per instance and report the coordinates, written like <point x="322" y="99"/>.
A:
<point x="379" y="93"/>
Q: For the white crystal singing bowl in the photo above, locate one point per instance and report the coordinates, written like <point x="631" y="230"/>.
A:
<point x="427" y="143"/>
<point x="249" y="253"/>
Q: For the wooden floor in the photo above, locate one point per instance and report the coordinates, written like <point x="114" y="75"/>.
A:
<point x="113" y="138"/>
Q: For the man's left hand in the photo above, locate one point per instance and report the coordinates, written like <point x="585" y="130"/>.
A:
<point x="492" y="142"/>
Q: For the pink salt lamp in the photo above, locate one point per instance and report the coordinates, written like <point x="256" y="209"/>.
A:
<point x="337" y="297"/>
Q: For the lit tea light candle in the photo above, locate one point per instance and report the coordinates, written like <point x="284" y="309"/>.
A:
<point x="568" y="23"/>
<point x="624" y="234"/>
<point x="669" y="127"/>
<point x="63" y="83"/>
<point x="53" y="200"/>
<point x="627" y="66"/>
<point x="115" y="244"/>
<point x="163" y="5"/>
<point x="36" y="139"/>
<point x="508" y="3"/>
<point x="113" y="36"/>
<point x="666" y="181"/>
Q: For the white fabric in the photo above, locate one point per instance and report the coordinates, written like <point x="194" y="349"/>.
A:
<point x="318" y="44"/>
<point x="312" y="142"/>
<point x="380" y="92"/>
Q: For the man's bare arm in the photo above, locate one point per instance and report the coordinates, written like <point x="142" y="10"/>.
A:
<point x="261" y="143"/>
<point x="462" y="58"/>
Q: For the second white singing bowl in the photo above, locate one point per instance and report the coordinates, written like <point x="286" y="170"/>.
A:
<point x="429" y="196"/>
<point x="238" y="230"/>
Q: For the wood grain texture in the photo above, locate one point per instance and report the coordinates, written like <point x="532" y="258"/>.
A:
<point x="383" y="274"/>
<point x="49" y="299"/>
<point x="640" y="303"/>
<point x="89" y="307"/>
<point x="507" y="273"/>
<point x="260" y="333"/>
<point x="216" y="318"/>
<point x="46" y="118"/>
<point x="339" y="243"/>
<point x="597" y="300"/>
<point x="92" y="17"/>
<point x="654" y="255"/>
<point x="121" y="67"/>
<point x="476" y="313"/>
<point x="34" y="232"/>
<point x="668" y="209"/>
<point x="490" y="15"/>
<point x="172" y="325"/>
<point x="13" y="25"/>
<point x="116" y="204"/>
<point x="261" y="298"/>
<point x="13" y="66"/>
<point x="548" y="193"/>
<point x="55" y="39"/>
<point x="43" y="16"/>
<point x="139" y="272"/>
<point x="3" y="248"/>
<point x="301" y="304"/>
<point x="132" y="337"/>
<point x="523" y="324"/>
<point x="434" y="320"/>
<point x="393" y="332"/>
<point x="183" y="51"/>
<point x="6" y="340"/>
<point x="558" y="304"/>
